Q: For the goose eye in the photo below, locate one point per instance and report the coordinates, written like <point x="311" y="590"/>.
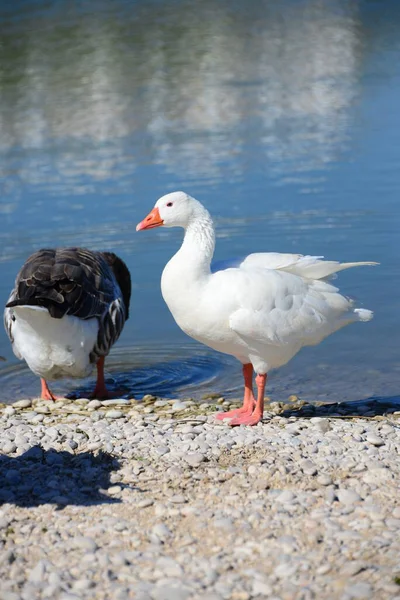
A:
<point x="169" y="204"/>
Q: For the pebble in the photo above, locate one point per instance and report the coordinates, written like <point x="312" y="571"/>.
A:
<point x="178" y="499"/>
<point x="359" y="590"/>
<point x="22" y="403"/>
<point x="261" y="588"/>
<point x="178" y="406"/>
<point x="285" y="497"/>
<point x="114" y="414"/>
<point x="115" y="402"/>
<point x="322" y="425"/>
<point x="43" y="410"/>
<point x="36" y="575"/>
<point x="194" y="459"/>
<point x="94" y="404"/>
<point x="347" y="496"/>
<point x="9" y="447"/>
<point x="324" y="479"/>
<point x="171" y="592"/>
<point x="375" y="440"/>
<point x="92" y="506"/>
<point x="308" y="467"/>
<point x="85" y="543"/>
<point x="161" y="531"/>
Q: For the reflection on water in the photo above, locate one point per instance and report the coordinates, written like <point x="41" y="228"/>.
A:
<point x="281" y="116"/>
<point x="197" y="84"/>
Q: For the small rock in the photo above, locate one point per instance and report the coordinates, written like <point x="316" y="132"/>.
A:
<point x="324" y="479"/>
<point x="308" y="467"/>
<point x="114" y="489"/>
<point x="94" y="404"/>
<point x="22" y="403"/>
<point x="224" y="523"/>
<point x="72" y="444"/>
<point x="285" y="497"/>
<point x="169" y="566"/>
<point x="396" y="512"/>
<point x="9" y="411"/>
<point x="85" y="543"/>
<point x="161" y="450"/>
<point x="361" y="590"/>
<point x="178" y="499"/>
<point x="82" y="584"/>
<point x="178" y="406"/>
<point x="321" y="424"/>
<point x="36" y="575"/>
<point x="374" y="440"/>
<point x="114" y="414"/>
<point x="145" y="503"/>
<point x="284" y="570"/>
<point x="13" y="476"/>
<point x="161" y="531"/>
<point x="37" y="419"/>
<point x="194" y="459"/>
<point x="94" y="446"/>
<point x="115" y="402"/>
<point x="352" y="568"/>
<point x="347" y="496"/>
<point x="261" y="588"/>
<point x="165" y="591"/>
<point x="9" y="447"/>
<point x="42" y="410"/>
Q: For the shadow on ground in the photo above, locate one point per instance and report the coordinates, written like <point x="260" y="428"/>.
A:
<point x="47" y="476"/>
<point x="368" y="407"/>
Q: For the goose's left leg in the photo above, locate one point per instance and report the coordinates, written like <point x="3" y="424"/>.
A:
<point x="248" y="399"/>
<point x="46" y="394"/>
<point x="257" y="414"/>
<point x="100" y="391"/>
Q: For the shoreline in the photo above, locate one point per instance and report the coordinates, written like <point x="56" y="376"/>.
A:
<point x="156" y="500"/>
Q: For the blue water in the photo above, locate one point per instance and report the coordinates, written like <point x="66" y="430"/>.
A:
<point x="282" y="118"/>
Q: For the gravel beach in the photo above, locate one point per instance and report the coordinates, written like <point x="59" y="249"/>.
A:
<point x="157" y="500"/>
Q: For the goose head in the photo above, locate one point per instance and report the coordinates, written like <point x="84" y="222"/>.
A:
<point x="177" y="209"/>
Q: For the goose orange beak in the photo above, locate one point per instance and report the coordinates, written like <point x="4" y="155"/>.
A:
<point x="153" y="219"/>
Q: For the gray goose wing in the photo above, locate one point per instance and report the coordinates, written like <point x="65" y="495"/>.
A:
<point x="76" y="282"/>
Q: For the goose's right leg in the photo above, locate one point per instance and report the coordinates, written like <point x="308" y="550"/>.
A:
<point x="249" y="401"/>
<point x="46" y="394"/>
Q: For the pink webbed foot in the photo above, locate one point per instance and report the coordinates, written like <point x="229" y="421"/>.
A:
<point x="257" y="414"/>
<point x="246" y="419"/>
<point x="237" y="412"/>
<point x="249" y="401"/>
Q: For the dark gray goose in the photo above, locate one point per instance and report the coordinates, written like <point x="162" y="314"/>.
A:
<point x="67" y="309"/>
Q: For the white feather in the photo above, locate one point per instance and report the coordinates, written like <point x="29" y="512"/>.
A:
<point x="262" y="311"/>
<point x="53" y="348"/>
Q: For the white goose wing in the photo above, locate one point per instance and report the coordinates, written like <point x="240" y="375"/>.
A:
<point x="279" y="308"/>
<point x="310" y="267"/>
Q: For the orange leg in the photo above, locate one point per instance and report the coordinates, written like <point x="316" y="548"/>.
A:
<point x="46" y="393"/>
<point x="100" y="391"/>
<point x="257" y="414"/>
<point x="248" y="399"/>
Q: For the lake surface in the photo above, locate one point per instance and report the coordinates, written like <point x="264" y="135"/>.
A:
<point x="281" y="117"/>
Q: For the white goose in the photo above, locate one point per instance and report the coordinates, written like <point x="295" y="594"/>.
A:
<point x="67" y="309"/>
<point x="262" y="311"/>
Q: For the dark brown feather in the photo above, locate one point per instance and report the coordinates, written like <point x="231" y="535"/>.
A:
<point x="76" y="282"/>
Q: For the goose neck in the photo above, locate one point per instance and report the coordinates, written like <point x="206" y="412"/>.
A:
<point x="199" y="242"/>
